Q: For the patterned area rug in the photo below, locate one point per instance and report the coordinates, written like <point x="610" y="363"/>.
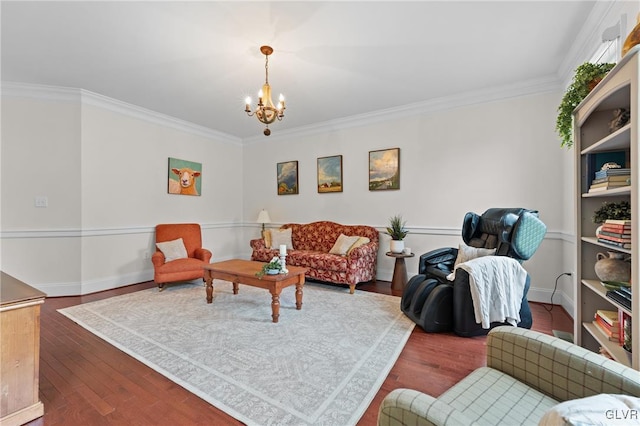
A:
<point x="322" y="364"/>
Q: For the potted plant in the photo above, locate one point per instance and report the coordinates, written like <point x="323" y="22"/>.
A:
<point x="274" y="267"/>
<point x="610" y="210"/>
<point x="584" y="80"/>
<point x="397" y="231"/>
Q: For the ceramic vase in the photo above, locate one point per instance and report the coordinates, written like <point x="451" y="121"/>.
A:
<point x="612" y="267"/>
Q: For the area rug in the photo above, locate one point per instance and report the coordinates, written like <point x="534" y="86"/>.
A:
<point x="321" y="365"/>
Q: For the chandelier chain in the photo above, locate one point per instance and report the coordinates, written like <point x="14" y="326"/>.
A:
<point x="266" y="69"/>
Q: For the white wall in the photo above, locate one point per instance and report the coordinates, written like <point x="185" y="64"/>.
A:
<point x="497" y="154"/>
<point x="103" y="166"/>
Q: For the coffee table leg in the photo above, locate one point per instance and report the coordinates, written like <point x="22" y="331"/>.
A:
<point x="299" y="296"/>
<point x="275" y="305"/>
<point x="209" y="283"/>
<point x="235" y="287"/>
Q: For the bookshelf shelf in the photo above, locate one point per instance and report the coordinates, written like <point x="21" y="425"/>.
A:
<point x="593" y="142"/>
<point x="616" y="351"/>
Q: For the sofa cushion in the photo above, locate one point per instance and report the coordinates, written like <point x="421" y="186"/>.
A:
<point x="343" y="244"/>
<point x="491" y="397"/>
<point x="317" y="260"/>
<point x="281" y="237"/>
<point x="360" y="242"/>
<point x="173" y="249"/>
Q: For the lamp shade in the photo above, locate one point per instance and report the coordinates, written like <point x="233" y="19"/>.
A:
<point x="263" y="217"/>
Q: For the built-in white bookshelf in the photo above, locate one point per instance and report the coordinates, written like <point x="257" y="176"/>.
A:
<point x="592" y="137"/>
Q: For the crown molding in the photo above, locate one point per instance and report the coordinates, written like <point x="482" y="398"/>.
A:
<point x="86" y="97"/>
<point x="491" y="94"/>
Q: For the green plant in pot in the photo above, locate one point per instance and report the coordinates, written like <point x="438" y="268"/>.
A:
<point x="397" y="231"/>
<point x="612" y="210"/>
<point x="274" y="267"/>
<point x="585" y="79"/>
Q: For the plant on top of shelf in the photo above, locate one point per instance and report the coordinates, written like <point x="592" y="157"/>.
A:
<point x="610" y="210"/>
<point x="586" y="77"/>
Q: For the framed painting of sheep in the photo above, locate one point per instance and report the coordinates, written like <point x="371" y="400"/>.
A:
<point x="185" y="177"/>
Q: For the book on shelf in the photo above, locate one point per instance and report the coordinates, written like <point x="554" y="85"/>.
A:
<point x="612" y="172"/>
<point x="595" y="184"/>
<point x="606" y="188"/>
<point x="611" y="330"/>
<point x="626" y="331"/>
<point x="616" y="234"/>
<point x="620" y="298"/>
<point x="619" y="229"/>
<point x="611" y="317"/>
<point x="619" y="178"/>
<point x="605" y="333"/>
<point x="624" y="239"/>
<point x="618" y="222"/>
<point x="614" y="243"/>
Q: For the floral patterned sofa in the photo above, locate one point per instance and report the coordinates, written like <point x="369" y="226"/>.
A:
<point x="311" y="245"/>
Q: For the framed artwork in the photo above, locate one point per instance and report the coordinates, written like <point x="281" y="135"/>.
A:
<point x="384" y="169"/>
<point x="330" y="174"/>
<point x="287" y="174"/>
<point x="185" y="177"/>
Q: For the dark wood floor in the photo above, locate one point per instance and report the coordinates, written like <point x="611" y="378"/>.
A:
<point x="84" y="380"/>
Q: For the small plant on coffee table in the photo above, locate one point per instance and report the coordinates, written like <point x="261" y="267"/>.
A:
<point x="274" y="265"/>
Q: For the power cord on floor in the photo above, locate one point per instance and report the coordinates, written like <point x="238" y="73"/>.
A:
<point x="555" y="287"/>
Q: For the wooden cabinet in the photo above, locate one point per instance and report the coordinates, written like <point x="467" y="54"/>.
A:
<point x="593" y="138"/>
<point x="20" y="353"/>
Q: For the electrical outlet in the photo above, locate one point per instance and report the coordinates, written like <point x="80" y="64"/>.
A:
<point x="41" y="201"/>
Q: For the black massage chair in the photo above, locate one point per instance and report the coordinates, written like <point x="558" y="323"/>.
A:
<point x="439" y="305"/>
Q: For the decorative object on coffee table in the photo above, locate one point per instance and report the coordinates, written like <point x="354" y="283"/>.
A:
<point x="274" y="267"/>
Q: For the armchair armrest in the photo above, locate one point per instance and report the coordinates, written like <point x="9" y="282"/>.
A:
<point x="364" y="250"/>
<point x="257" y="244"/>
<point x="438" y="262"/>
<point x="411" y="407"/>
<point x="556" y="367"/>
<point x="157" y="259"/>
<point x="203" y="254"/>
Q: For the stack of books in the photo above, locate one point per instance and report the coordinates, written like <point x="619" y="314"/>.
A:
<point x="615" y="233"/>
<point x="621" y="295"/>
<point x="609" y="179"/>
<point x="607" y="322"/>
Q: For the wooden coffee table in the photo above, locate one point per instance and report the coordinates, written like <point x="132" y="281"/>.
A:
<point x="244" y="272"/>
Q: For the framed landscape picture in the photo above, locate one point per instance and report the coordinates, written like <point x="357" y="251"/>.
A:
<point x="287" y="178"/>
<point x="384" y="169"/>
<point x="185" y="177"/>
<point x="330" y="174"/>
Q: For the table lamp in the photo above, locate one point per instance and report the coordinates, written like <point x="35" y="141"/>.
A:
<point x="263" y="217"/>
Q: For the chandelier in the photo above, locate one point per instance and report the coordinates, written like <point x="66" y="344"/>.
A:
<point x="265" y="111"/>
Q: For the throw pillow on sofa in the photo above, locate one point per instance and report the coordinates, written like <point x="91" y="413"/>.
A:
<point x="281" y="236"/>
<point x="173" y="249"/>
<point x="361" y="241"/>
<point x="343" y="244"/>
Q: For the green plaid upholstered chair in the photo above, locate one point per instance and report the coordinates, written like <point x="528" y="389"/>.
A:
<point x="527" y="375"/>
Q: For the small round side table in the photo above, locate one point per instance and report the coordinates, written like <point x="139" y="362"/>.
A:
<point x="399" y="273"/>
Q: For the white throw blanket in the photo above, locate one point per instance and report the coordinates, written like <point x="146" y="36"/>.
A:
<point x="496" y="284"/>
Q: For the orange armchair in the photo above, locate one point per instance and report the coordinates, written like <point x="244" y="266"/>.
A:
<point x="183" y="269"/>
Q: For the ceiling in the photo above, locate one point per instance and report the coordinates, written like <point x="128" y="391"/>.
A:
<point x="197" y="61"/>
